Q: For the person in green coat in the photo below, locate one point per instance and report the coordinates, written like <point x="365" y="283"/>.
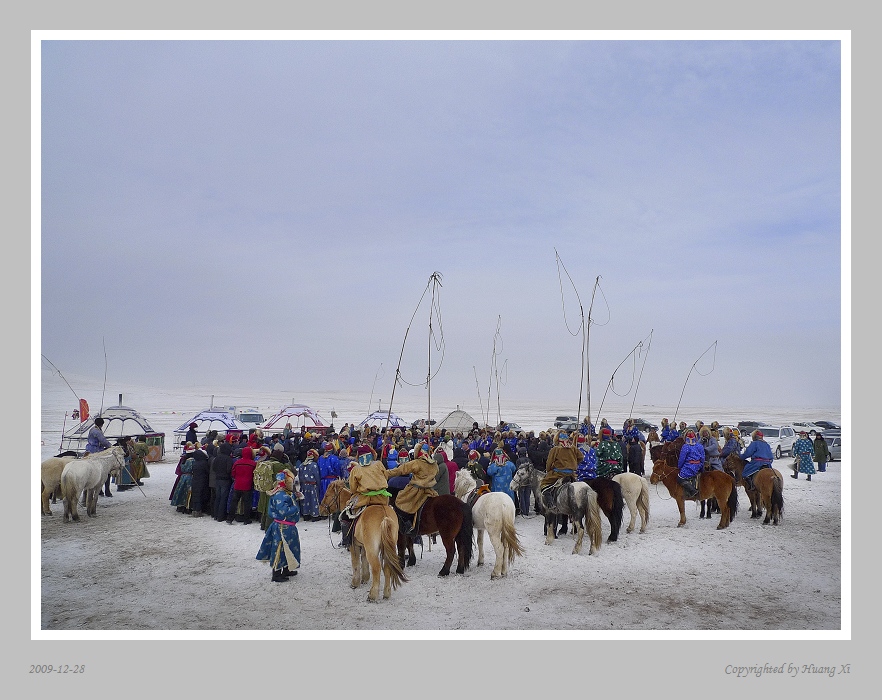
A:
<point x="822" y="451"/>
<point x="609" y="455"/>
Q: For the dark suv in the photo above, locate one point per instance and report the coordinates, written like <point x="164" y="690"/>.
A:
<point x="746" y="427"/>
<point x="643" y="426"/>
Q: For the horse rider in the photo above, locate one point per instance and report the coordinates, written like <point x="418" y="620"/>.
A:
<point x="423" y="470"/>
<point x="711" y="449"/>
<point x="690" y="463"/>
<point x="367" y="482"/>
<point x="96" y="442"/>
<point x="610" y="460"/>
<point x="562" y="463"/>
<point x="476" y="469"/>
<point x="759" y="454"/>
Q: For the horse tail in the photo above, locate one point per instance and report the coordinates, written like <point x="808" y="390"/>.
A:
<point x="733" y="501"/>
<point x="465" y="536"/>
<point x="778" y="494"/>
<point x="510" y="540"/>
<point x="618" y="511"/>
<point x="69" y="489"/>
<point x="389" y="545"/>
<point x="592" y="523"/>
<point x="643" y="500"/>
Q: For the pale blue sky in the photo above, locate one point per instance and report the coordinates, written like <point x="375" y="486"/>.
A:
<point x="268" y="213"/>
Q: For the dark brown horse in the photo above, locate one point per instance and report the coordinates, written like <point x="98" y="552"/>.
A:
<point x="449" y="517"/>
<point x="767" y="493"/>
<point x="611" y="502"/>
<point x="711" y="484"/>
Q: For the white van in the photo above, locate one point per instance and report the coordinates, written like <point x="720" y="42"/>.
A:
<point x="250" y="415"/>
<point x="780" y="438"/>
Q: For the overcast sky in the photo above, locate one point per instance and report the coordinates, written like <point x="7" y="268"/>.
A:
<point x="268" y="214"/>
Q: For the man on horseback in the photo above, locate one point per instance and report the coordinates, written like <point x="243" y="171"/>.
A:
<point x="690" y="463"/>
<point x="760" y="455"/>
<point x="96" y="442"/>
<point x="610" y="460"/>
<point x="424" y="474"/>
<point x="367" y="482"/>
<point x="560" y="467"/>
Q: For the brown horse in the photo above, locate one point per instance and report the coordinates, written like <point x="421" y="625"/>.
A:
<point x="335" y="498"/>
<point x="452" y="519"/>
<point x="374" y="546"/>
<point x="768" y="491"/>
<point x="711" y="484"/>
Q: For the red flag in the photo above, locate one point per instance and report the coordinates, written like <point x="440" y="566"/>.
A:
<point x="84" y="410"/>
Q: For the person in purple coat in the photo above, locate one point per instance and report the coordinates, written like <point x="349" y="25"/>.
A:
<point x="690" y="463"/>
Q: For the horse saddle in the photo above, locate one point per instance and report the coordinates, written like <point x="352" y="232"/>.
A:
<point x="350" y="512"/>
<point x="549" y="493"/>
<point x="477" y="493"/>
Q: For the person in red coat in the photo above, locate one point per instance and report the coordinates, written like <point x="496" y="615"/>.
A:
<point x="243" y="483"/>
<point x="452" y="468"/>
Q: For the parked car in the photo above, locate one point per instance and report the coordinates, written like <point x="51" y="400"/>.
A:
<point x="834" y="443"/>
<point x="746" y="427"/>
<point x="806" y="426"/>
<point x="559" y="420"/>
<point x="780" y="438"/>
<point x="644" y="426"/>
<point x="827" y="425"/>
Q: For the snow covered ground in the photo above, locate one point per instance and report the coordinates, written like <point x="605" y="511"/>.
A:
<point x="141" y="568"/>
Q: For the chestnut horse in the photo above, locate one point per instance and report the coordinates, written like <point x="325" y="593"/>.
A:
<point x="374" y="547"/>
<point x="449" y="517"/>
<point x="711" y="484"/>
<point x="768" y="491"/>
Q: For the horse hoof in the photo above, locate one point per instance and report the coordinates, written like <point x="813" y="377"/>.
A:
<point x="444" y="573"/>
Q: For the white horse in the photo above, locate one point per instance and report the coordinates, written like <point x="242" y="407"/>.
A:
<point x="50" y="479"/>
<point x="87" y="476"/>
<point x="635" y="491"/>
<point x="495" y="513"/>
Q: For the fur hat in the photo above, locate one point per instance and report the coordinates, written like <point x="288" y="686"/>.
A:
<point x="278" y="447"/>
<point x="704" y="432"/>
<point x="192" y="425"/>
<point x="757" y="435"/>
<point x="473" y="455"/>
<point x="312" y="453"/>
<point x="606" y="433"/>
<point x="363" y="449"/>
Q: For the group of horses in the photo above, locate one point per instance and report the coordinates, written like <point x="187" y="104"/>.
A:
<point x="74" y="477"/>
<point x="379" y="544"/>
<point x="573" y="503"/>
<point x="766" y="494"/>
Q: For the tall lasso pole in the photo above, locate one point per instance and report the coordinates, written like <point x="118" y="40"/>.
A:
<point x="713" y="345"/>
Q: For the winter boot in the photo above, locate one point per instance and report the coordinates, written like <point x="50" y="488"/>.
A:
<point x="336" y="526"/>
<point x="286" y="572"/>
<point x="279" y="577"/>
<point x="808" y="477"/>
<point x="794" y="475"/>
<point x="689" y="491"/>
<point x="346" y="528"/>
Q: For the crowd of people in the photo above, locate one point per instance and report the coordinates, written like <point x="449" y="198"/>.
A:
<point x="281" y="479"/>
